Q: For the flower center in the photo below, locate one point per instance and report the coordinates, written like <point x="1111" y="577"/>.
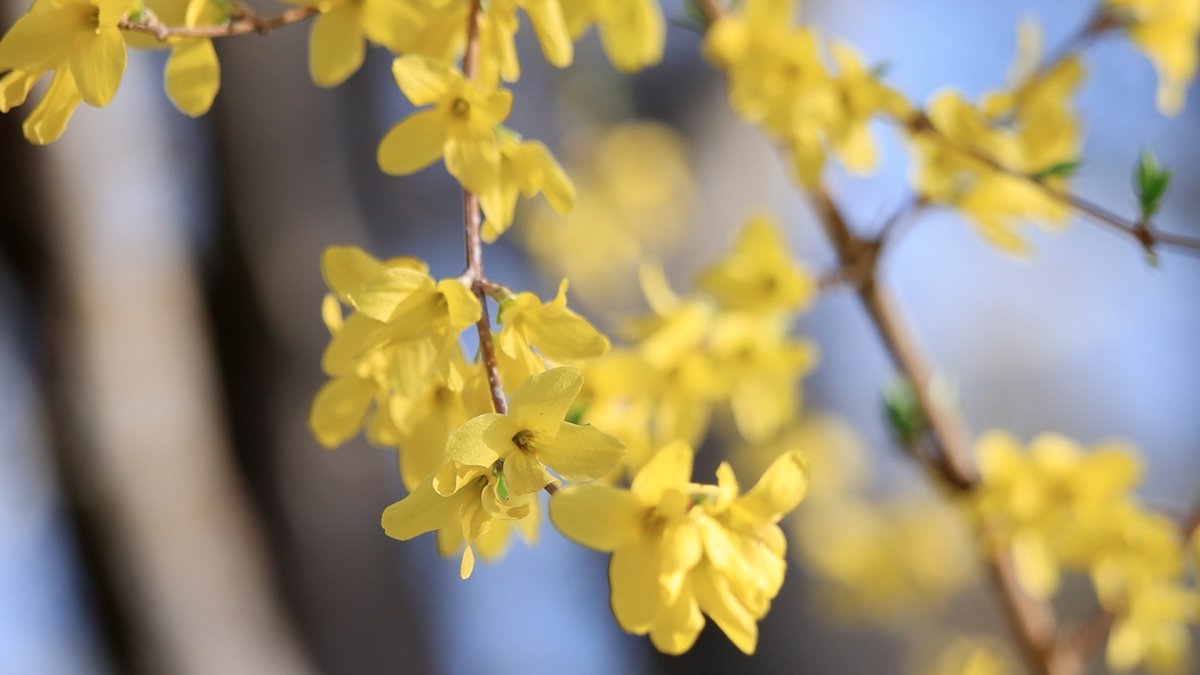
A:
<point x="460" y="107"/>
<point x="523" y="440"/>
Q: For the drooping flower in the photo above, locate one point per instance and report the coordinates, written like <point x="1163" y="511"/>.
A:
<point x="554" y="330"/>
<point x="682" y="550"/>
<point x="632" y="32"/>
<point x="526" y="168"/>
<point x="758" y="274"/>
<point x="76" y="39"/>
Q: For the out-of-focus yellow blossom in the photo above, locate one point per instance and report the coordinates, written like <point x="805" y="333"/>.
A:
<point x="1154" y="630"/>
<point x="526" y="167"/>
<point x="498" y="25"/>
<point x="778" y="80"/>
<point x="1167" y="30"/>
<point x="1027" y="130"/>
<point x="519" y="446"/>
<point x="192" y="76"/>
<point x="338" y="40"/>
<point x="965" y="656"/>
<point x="886" y="558"/>
<point x="1031" y="502"/>
<point x="761" y="366"/>
<point x="682" y="550"/>
<point x="862" y="96"/>
<point x="758" y="274"/>
<point x="76" y="39"/>
<point x="554" y="330"/>
<point x="634" y="185"/>
<point x="460" y="126"/>
<point x="633" y="32"/>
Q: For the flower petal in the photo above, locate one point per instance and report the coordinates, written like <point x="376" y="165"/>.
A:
<point x="467" y="446"/>
<point x="600" y="517"/>
<point x="541" y="404"/>
<point x="49" y="119"/>
<point x="193" y="76"/>
<point x="525" y="474"/>
<point x="97" y="63"/>
<point x="633" y="578"/>
<point x="669" y="467"/>
<point x="413" y="144"/>
<point x="678" y="625"/>
<point x="581" y="453"/>
<point x="339" y="409"/>
<point x="781" y="488"/>
<point x="345" y="268"/>
<point x="718" y="601"/>
<point x="423" y="510"/>
<point x="336" y="46"/>
<point x="462" y="305"/>
<point x="423" y="80"/>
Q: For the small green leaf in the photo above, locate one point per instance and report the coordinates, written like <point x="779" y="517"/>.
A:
<point x="501" y="486"/>
<point x="576" y="413"/>
<point x="1150" y="180"/>
<point x="1060" y="170"/>
<point x="903" y="412"/>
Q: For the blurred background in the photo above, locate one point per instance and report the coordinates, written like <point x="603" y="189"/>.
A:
<point x="164" y="509"/>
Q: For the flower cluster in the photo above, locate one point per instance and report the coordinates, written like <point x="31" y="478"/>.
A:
<point x="682" y="550"/>
<point x="779" y="81"/>
<point x="731" y="343"/>
<point x="1058" y="508"/>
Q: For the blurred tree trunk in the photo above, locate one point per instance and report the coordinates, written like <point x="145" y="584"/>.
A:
<point x="154" y="461"/>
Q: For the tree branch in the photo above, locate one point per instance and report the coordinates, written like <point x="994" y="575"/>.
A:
<point x="243" y="25"/>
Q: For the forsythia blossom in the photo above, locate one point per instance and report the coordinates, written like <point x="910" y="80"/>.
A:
<point x="1167" y="30"/>
<point x="681" y="550"/>
<point x="1057" y="508"/>
<point x="76" y="39"/>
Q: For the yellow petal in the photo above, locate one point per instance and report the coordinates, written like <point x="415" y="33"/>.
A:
<point x="781" y="488"/>
<point x="342" y="354"/>
<point x="633" y="579"/>
<point x="525" y="474"/>
<point x="14" y="88"/>
<point x="466" y="444"/>
<point x="678" y="625"/>
<point x="413" y="144"/>
<point x="600" y="517"/>
<point x="1036" y="565"/>
<point x="541" y="404"/>
<point x="473" y="157"/>
<point x="339" y="409"/>
<point x="50" y="117"/>
<point x="38" y="41"/>
<point x="193" y="76"/>
<point x="423" y="80"/>
<point x="551" y="30"/>
<point x="581" y="453"/>
<point x="345" y="268"/>
<point x="669" y="467"/>
<point x="467" y="566"/>
<point x="423" y="510"/>
<point x="97" y="63"/>
<point x="381" y="296"/>
<point x="462" y="305"/>
<point x="336" y="46"/>
<point x="718" y="602"/>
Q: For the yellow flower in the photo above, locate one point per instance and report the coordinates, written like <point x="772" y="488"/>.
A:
<point x="474" y="502"/>
<point x="1037" y="503"/>
<point x="533" y="435"/>
<point x="555" y="331"/>
<point x="1026" y="131"/>
<point x="79" y="41"/>
<point x="337" y="40"/>
<point x="758" y="274"/>
<point x="680" y="549"/>
<point x="1166" y="30"/>
<point x="632" y="32"/>
<point x="526" y="167"/>
<point x="1154" y="630"/>
<point x="460" y="126"/>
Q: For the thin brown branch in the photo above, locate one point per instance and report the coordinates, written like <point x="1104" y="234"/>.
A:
<point x="473" y="226"/>
<point x="241" y="25"/>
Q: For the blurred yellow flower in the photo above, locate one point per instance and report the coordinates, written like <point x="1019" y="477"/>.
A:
<point x="632" y="32"/>
<point x="1167" y="31"/>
